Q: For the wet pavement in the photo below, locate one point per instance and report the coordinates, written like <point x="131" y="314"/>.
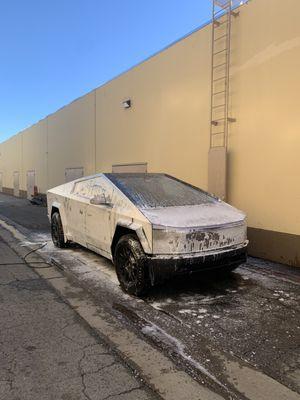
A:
<point x="205" y="323"/>
<point x="249" y="314"/>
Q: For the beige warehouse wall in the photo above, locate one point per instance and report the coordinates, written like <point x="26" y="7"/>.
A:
<point x="34" y="145"/>
<point x="71" y="138"/>
<point x="168" y="123"/>
<point x="11" y="159"/>
<point x="264" y="143"/>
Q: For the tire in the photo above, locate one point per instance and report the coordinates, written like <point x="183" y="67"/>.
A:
<point x="225" y="272"/>
<point x="230" y="269"/>
<point x="57" y="231"/>
<point x="131" y="268"/>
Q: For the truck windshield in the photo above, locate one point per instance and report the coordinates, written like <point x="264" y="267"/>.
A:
<point x="158" y="190"/>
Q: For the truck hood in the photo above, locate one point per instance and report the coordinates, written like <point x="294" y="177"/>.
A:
<point x="199" y="216"/>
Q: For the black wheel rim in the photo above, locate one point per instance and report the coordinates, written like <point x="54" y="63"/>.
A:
<point x="127" y="266"/>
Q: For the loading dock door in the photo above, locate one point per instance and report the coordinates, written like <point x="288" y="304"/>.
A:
<point x="136" y="167"/>
<point x="1" y="182"/>
<point x="16" y="184"/>
<point x="73" y="173"/>
<point x="30" y="184"/>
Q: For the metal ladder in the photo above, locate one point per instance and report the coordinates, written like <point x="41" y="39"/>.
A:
<point x="223" y="10"/>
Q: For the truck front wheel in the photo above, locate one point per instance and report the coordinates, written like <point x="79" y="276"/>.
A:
<point x="131" y="266"/>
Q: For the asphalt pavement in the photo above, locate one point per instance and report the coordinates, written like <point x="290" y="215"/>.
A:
<point x="237" y="336"/>
<point x="47" y="351"/>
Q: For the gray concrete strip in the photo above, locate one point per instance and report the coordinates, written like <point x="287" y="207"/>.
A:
<point x="45" y="271"/>
<point x="256" y="385"/>
<point x="155" y="367"/>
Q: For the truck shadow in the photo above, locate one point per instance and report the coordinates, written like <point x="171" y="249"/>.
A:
<point x="204" y="284"/>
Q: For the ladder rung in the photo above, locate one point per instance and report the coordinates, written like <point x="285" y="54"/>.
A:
<point x="222" y="91"/>
<point x="218" y="79"/>
<point x="218" y="52"/>
<point x="221" y="37"/>
<point x="220" y="11"/>
<point x="217" y="133"/>
<point x="220" y="105"/>
<point x="223" y="23"/>
<point x="220" y="65"/>
<point x="218" y="24"/>
<point x="222" y="3"/>
<point x="217" y="120"/>
<point x="223" y="12"/>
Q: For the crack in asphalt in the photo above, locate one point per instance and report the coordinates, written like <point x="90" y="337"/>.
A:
<point x="123" y="392"/>
<point x="83" y="373"/>
<point x="12" y="264"/>
<point x="16" y="281"/>
<point x="75" y="341"/>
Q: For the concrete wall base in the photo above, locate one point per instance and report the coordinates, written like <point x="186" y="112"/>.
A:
<point x="8" y="191"/>
<point x="275" y="246"/>
<point x="23" y="194"/>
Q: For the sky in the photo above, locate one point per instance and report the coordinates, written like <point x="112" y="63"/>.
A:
<point x="53" y="51"/>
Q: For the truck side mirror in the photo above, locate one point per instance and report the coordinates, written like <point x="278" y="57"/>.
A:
<point x="98" y="200"/>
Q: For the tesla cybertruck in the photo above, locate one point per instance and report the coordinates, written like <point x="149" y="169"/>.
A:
<point x="152" y="226"/>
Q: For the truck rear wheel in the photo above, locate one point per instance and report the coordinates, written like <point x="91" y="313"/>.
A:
<point x="57" y="231"/>
<point x="131" y="268"/>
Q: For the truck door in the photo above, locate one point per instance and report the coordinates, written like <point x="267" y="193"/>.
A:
<point x="98" y="220"/>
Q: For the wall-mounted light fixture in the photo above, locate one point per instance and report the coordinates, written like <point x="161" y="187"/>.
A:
<point x="126" y="103"/>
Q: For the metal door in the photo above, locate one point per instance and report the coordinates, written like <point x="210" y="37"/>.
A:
<point x="30" y="184"/>
<point x="1" y="182"/>
<point x="136" y="167"/>
<point x="16" y="184"/>
<point x="73" y="173"/>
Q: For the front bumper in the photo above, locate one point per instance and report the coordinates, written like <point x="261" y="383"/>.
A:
<point x="164" y="267"/>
